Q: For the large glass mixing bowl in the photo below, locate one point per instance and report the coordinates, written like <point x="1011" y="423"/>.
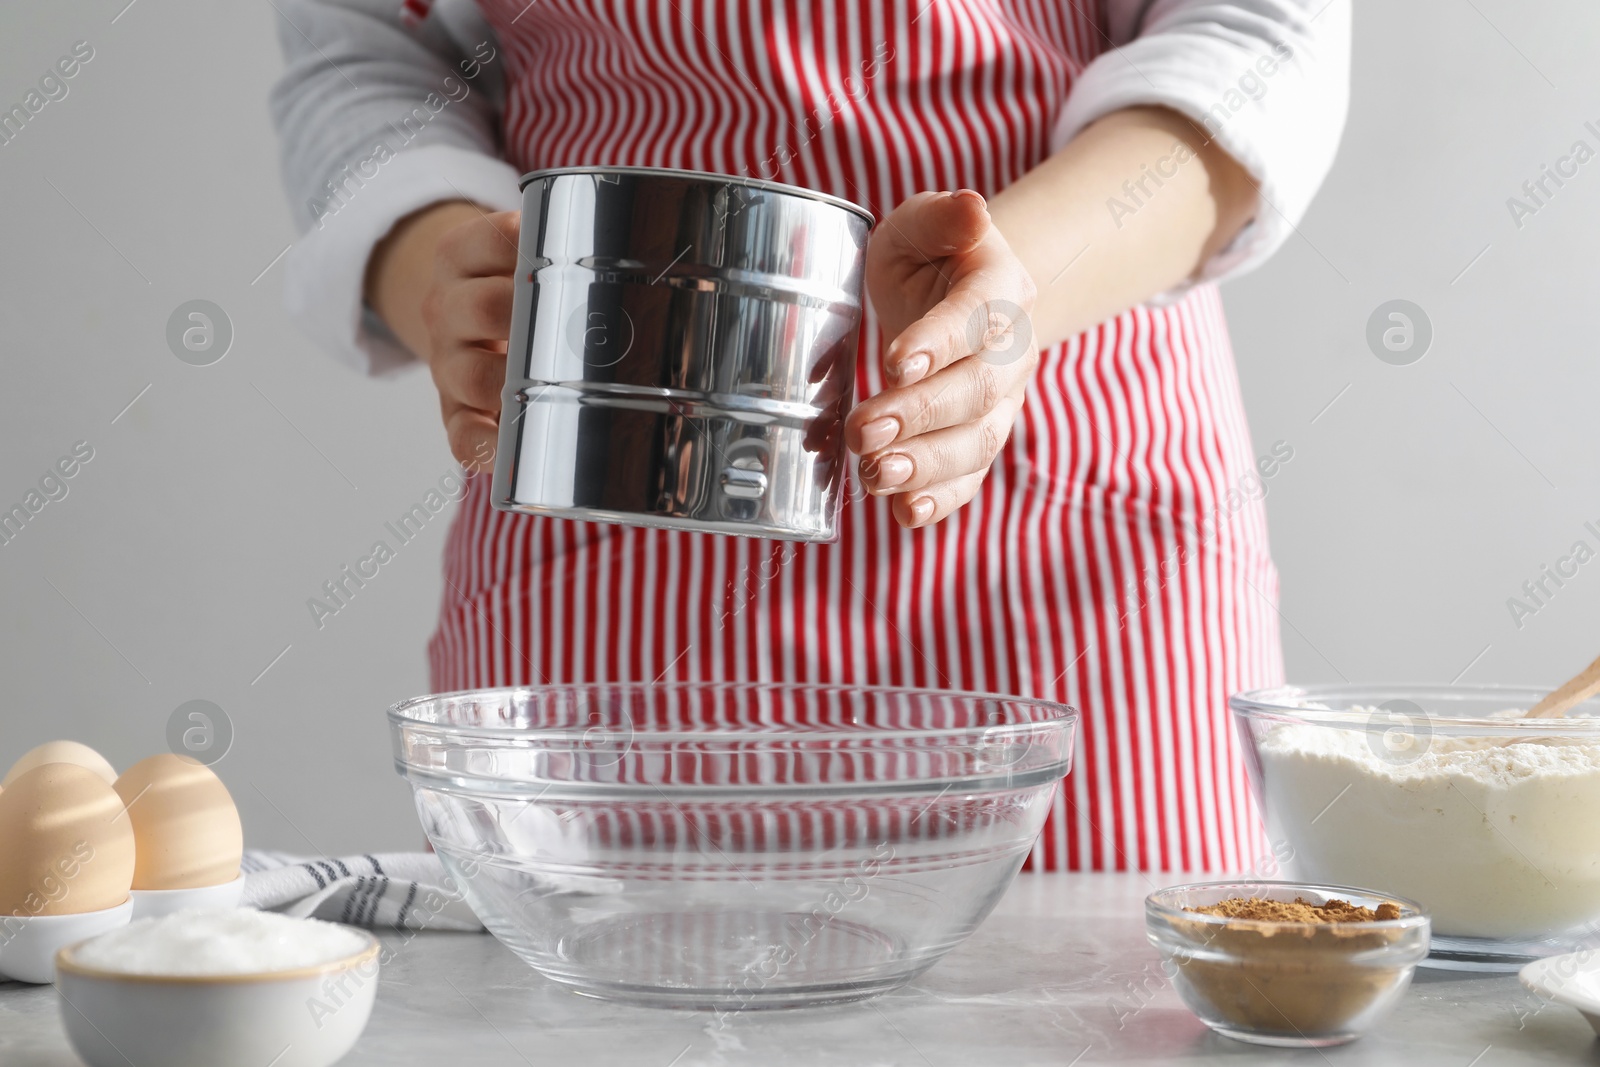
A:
<point x="731" y="845"/>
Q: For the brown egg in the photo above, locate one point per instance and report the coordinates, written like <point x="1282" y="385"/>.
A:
<point x="62" y="752"/>
<point x="185" y="825"/>
<point x="65" y="843"/>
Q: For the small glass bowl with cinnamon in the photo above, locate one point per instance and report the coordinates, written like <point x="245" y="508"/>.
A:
<point x="1287" y="963"/>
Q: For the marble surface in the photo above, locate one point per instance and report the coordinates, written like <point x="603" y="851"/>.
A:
<point x="1060" y="974"/>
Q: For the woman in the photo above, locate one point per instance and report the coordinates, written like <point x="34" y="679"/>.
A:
<point x="1054" y="494"/>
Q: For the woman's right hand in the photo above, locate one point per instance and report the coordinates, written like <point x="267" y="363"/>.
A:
<point x="442" y="281"/>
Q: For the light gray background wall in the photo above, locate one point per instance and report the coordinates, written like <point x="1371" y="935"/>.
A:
<point x="179" y="563"/>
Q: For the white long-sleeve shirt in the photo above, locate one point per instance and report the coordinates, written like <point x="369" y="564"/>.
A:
<point x="379" y="118"/>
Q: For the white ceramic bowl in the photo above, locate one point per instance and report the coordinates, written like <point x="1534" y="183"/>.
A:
<point x="1573" y="980"/>
<point x="150" y="903"/>
<point x="28" y="944"/>
<point x="308" y="1017"/>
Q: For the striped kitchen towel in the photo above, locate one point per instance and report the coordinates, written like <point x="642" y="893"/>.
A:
<point x="386" y="890"/>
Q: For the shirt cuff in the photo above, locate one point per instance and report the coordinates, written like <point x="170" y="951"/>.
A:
<point x="325" y="270"/>
<point x="1277" y="110"/>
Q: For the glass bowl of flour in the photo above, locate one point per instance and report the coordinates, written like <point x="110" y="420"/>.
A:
<point x="1442" y="794"/>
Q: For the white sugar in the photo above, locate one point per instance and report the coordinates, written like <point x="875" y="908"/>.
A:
<point x="196" y="943"/>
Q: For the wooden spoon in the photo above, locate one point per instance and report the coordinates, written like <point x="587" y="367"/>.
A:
<point x="1574" y="692"/>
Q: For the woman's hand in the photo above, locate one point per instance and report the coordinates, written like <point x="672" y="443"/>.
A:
<point x="956" y="303"/>
<point x="442" y="281"/>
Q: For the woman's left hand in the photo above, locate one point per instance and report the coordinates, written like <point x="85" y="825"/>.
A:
<point x="956" y="303"/>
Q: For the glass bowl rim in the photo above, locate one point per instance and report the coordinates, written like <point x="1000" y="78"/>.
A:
<point x="1063" y="716"/>
<point x="1413" y="915"/>
<point x="1278" y="702"/>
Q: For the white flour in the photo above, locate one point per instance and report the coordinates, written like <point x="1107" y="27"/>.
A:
<point x="1496" y="840"/>
<point x="245" y="941"/>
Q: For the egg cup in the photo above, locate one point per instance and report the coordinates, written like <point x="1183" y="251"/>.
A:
<point x="29" y="943"/>
<point x="150" y="903"/>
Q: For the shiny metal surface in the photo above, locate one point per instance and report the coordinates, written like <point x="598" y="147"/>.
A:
<point x="682" y="352"/>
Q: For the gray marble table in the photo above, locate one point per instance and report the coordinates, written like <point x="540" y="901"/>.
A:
<point x="1060" y="974"/>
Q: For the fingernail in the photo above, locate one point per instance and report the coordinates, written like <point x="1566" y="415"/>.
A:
<point x="892" y="470"/>
<point x="912" y="369"/>
<point x="922" y="510"/>
<point x="879" y="433"/>
<point x="971" y="194"/>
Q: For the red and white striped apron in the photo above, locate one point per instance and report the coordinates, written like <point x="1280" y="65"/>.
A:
<point x="1114" y="560"/>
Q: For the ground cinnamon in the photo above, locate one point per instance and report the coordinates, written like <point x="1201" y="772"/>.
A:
<point x="1290" y="967"/>
<point x="1299" y="910"/>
